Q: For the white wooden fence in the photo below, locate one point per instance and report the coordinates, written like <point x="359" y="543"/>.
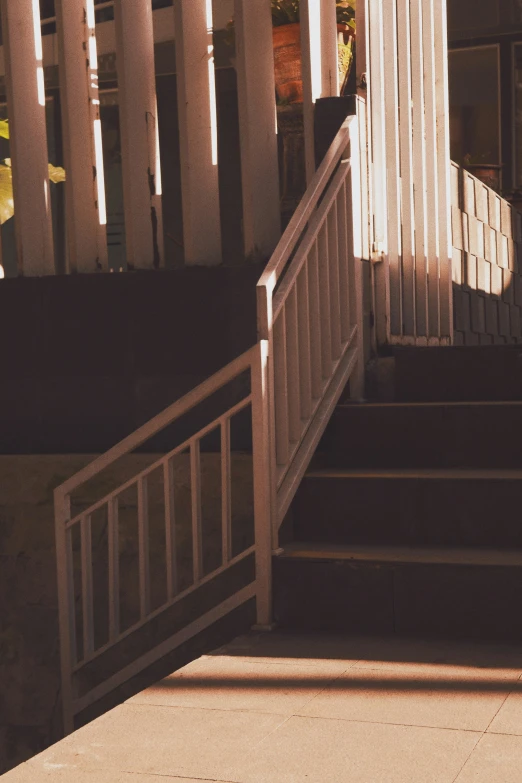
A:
<point x="407" y="75"/>
<point x="310" y="346"/>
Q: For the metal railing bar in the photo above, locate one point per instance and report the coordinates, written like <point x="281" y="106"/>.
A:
<point x="195" y="489"/>
<point x="144" y="546"/>
<point x="114" y="568"/>
<point x="151" y="468"/>
<point x="226" y="493"/>
<point x="170" y="528"/>
<point x="87" y="595"/>
<point x="167" y="605"/>
<point x="163" y="419"/>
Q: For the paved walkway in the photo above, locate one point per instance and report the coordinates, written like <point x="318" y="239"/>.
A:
<point x="277" y="708"/>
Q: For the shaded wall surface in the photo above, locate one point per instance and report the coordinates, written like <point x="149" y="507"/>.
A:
<point x="86" y="360"/>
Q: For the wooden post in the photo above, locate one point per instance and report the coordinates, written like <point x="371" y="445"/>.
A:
<point x="139" y="134"/>
<point x="198" y="131"/>
<point x="329" y="50"/>
<point x="257" y="118"/>
<point x="28" y="137"/>
<point x="312" y="75"/>
<point x="85" y="192"/>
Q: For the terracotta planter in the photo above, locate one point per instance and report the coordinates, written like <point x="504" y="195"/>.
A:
<point x="488" y="173"/>
<point x="288" y="61"/>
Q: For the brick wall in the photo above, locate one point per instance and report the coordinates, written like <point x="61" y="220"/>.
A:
<point x="487" y="264"/>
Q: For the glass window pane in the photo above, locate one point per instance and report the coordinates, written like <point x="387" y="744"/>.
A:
<point x="475" y="104"/>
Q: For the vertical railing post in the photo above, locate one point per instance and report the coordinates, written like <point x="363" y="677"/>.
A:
<point x="141" y="163"/>
<point x="264" y="502"/>
<point x="198" y="131"/>
<point x="28" y="136"/>
<point x="85" y="192"/>
<point x="257" y="119"/>
<point x="66" y="605"/>
<point x="355" y="203"/>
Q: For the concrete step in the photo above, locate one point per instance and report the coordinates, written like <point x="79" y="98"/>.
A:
<point x="458" y="374"/>
<point x="458" y="434"/>
<point x="444" y="592"/>
<point x="407" y="507"/>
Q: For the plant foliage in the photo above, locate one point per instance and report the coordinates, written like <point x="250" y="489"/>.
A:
<point x="288" y="12"/>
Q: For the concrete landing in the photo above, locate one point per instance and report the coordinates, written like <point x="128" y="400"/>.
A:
<point x="278" y="708"/>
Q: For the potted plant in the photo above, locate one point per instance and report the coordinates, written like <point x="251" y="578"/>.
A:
<point x="287" y="46"/>
<point x="488" y="173"/>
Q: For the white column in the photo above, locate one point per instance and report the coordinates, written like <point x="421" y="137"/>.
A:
<point x="28" y="136"/>
<point x="258" y="132"/>
<point x="139" y="134"/>
<point x="80" y="103"/>
<point x="329" y="49"/>
<point x="197" y="131"/>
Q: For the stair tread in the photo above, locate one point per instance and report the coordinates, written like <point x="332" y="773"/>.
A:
<point x="418" y="473"/>
<point x="403" y="554"/>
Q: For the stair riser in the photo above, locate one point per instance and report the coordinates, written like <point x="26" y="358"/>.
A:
<point x="432" y="600"/>
<point x="413" y="512"/>
<point x="473" y="436"/>
<point x="466" y="374"/>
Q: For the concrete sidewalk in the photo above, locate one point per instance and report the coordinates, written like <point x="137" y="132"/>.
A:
<point x="281" y="708"/>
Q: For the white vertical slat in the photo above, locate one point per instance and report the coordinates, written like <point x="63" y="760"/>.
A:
<point x="198" y="131"/>
<point x="303" y="325"/>
<point x="141" y="165"/>
<point x="195" y="489"/>
<point x="258" y="131"/>
<point x="226" y="492"/>
<point x="393" y="169"/>
<point x="345" y="281"/>
<point x="282" y="436"/>
<point x="444" y="168"/>
<point x="66" y="604"/>
<point x="376" y="66"/>
<point x="324" y="296"/>
<point x="316" y="326"/>
<point x="419" y="173"/>
<point x="170" y="528"/>
<point x="329" y="50"/>
<point x="407" y="183"/>
<point x="143" y="544"/>
<point x="333" y="273"/>
<point x="80" y="103"/>
<point x="355" y="217"/>
<point x="26" y="113"/>
<point x="114" y="568"/>
<point x="292" y="366"/>
<point x="265" y="518"/>
<point x="432" y="215"/>
<point x="87" y="594"/>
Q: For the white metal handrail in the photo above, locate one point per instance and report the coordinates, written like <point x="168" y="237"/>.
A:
<point x="310" y="345"/>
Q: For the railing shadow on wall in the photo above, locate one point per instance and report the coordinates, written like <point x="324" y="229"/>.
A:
<point x="487" y="264"/>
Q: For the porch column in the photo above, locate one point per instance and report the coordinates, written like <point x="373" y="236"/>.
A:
<point x="139" y="134"/>
<point x="319" y="65"/>
<point x="82" y="139"/>
<point x="28" y="136"/>
<point x="198" y="131"/>
<point x="258" y="132"/>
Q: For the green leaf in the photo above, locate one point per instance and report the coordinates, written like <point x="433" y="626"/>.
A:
<point x="4" y="129"/>
<point x="6" y="194"/>
<point x="56" y="173"/>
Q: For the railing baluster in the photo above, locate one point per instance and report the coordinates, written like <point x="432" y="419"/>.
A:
<point x="325" y="302"/>
<point x="170" y="528"/>
<point x="333" y="271"/>
<point x="72" y="595"/>
<point x="292" y="367"/>
<point x="226" y="492"/>
<point x="143" y="540"/>
<point x="87" y="596"/>
<point x="195" y="485"/>
<point x="303" y="327"/>
<point x="281" y="390"/>
<point x="345" y="281"/>
<point x="316" y="327"/>
<point x="114" y="568"/>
